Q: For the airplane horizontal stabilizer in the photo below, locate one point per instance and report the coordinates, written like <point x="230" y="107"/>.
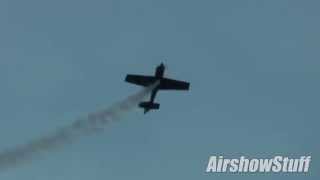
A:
<point x="149" y="105"/>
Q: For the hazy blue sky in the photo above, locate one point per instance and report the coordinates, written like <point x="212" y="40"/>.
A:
<point x="254" y="68"/>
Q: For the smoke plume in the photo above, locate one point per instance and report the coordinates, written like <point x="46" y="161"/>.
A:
<point x="92" y="123"/>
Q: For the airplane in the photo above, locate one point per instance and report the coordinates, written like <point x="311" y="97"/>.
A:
<point x="164" y="84"/>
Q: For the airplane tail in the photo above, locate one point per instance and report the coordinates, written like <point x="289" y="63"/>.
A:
<point x="148" y="106"/>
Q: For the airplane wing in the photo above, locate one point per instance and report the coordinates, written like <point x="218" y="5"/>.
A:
<point x="140" y="79"/>
<point x="170" y="84"/>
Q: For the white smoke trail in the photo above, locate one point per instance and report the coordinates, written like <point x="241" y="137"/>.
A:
<point x="93" y="123"/>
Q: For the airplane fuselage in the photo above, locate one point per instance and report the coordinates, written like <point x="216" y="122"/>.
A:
<point x="159" y="72"/>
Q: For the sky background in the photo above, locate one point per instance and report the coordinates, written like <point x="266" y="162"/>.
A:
<point x="253" y="66"/>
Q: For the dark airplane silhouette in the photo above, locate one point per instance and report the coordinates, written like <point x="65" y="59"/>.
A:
<point x="164" y="84"/>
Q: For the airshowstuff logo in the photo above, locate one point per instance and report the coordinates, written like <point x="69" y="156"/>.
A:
<point x="273" y="165"/>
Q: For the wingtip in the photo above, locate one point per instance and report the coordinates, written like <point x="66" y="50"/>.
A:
<point x="126" y="78"/>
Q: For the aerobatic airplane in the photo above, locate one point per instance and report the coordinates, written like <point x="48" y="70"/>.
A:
<point x="164" y="84"/>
